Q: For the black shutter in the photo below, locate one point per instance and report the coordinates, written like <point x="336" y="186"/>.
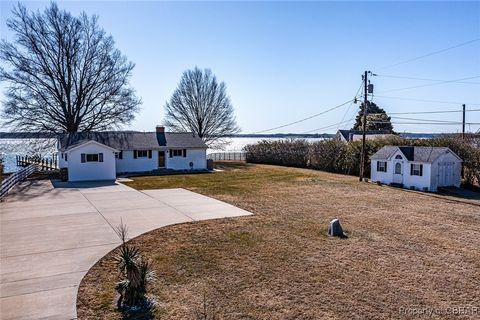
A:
<point x="385" y="166"/>
<point x="134" y="154"/>
<point x="100" y="157"/>
<point x="170" y="153"/>
<point x="411" y="169"/>
<point x="421" y="170"/>
<point x="120" y="155"/>
<point x="150" y="154"/>
<point x="82" y="157"/>
<point x="184" y="153"/>
<point x="378" y="165"/>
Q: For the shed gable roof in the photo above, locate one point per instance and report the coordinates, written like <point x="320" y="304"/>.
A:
<point x="129" y="140"/>
<point x="412" y="153"/>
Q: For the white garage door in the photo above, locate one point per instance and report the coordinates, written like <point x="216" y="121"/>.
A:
<point x="446" y="176"/>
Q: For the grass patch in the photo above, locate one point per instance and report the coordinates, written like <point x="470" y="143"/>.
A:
<point x="405" y="249"/>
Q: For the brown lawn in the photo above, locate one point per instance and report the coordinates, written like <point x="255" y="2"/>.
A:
<point x="405" y="250"/>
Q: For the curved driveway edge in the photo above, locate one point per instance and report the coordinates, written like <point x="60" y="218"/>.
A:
<point x="52" y="233"/>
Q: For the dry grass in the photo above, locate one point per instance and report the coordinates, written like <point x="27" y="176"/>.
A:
<point x="405" y="249"/>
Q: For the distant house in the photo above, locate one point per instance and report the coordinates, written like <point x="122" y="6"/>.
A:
<point x="103" y="155"/>
<point x="354" y="135"/>
<point x="422" y="168"/>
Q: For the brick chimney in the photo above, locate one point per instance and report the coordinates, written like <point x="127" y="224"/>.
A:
<point x="160" y="129"/>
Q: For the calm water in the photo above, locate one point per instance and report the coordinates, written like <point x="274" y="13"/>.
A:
<point x="9" y="148"/>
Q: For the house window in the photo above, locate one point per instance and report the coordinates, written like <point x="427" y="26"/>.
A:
<point x="178" y="153"/>
<point x="91" y="157"/>
<point x="381" y="166"/>
<point x="398" y="168"/>
<point x="416" y="169"/>
<point x="142" y="154"/>
<point x="119" y="155"/>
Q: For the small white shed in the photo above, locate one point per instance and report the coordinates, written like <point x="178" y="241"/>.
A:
<point x="422" y="168"/>
<point x="89" y="160"/>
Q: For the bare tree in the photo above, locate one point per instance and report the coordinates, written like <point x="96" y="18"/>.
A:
<point x="64" y="74"/>
<point x="200" y="104"/>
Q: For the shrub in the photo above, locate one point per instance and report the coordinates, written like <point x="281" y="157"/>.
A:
<point x="336" y="156"/>
<point x="288" y="152"/>
<point x="135" y="274"/>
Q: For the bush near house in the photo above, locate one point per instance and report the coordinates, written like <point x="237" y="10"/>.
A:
<point x="339" y="157"/>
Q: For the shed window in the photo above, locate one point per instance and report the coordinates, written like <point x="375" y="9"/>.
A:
<point x="398" y="168"/>
<point x="92" y="157"/>
<point x="66" y="156"/>
<point x="381" y="166"/>
<point x="416" y="169"/>
<point x="398" y="156"/>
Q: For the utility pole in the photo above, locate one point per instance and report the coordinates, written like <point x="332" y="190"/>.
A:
<point x="463" y="123"/>
<point x="365" y="102"/>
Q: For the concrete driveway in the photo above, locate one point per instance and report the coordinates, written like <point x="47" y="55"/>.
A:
<point x="52" y="233"/>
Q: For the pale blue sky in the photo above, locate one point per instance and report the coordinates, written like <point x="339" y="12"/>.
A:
<point x="283" y="61"/>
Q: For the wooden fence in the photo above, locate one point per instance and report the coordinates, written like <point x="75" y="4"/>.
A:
<point x="8" y="183"/>
<point x="227" y="156"/>
<point x="43" y="163"/>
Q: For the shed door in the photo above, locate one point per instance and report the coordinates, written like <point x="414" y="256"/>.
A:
<point x="398" y="172"/>
<point x="445" y="174"/>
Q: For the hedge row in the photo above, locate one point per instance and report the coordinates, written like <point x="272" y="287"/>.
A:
<point x="340" y="157"/>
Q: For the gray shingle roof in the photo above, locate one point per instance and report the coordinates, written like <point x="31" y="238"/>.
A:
<point x="347" y="134"/>
<point x="129" y="140"/>
<point x="419" y="154"/>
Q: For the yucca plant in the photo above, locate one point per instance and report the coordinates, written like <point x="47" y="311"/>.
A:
<point x="135" y="273"/>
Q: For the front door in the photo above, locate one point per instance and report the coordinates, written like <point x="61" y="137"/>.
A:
<point x="161" y="159"/>
<point x="398" y="172"/>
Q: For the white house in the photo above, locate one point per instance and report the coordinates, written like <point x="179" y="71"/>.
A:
<point x="104" y="155"/>
<point x="422" y="168"/>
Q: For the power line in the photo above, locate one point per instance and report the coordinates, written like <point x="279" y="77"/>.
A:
<point x="305" y="119"/>
<point x="430" y="112"/>
<point x="432" y="101"/>
<point x="430" y="54"/>
<point x="430" y="84"/>
<point x="350" y="105"/>
<point x="422" y="79"/>
<point x="432" y="120"/>
<point x="435" y="123"/>
<point x="327" y="127"/>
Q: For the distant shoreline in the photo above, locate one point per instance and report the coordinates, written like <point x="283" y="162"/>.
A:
<point x="46" y="135"/>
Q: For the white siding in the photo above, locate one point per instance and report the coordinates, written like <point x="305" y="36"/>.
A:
<point x="130" y="164"/>
<point x="383" y="177"/>
<point x="419" y="182"/>
<point x="87" y="171"/>
<point x="61" y="160"/>
<point x="197" y="156"/>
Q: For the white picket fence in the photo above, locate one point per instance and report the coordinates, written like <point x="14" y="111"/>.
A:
<point x="15" y="178"/>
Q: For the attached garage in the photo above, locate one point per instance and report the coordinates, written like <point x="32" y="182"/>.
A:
<point x="88" y="161"/>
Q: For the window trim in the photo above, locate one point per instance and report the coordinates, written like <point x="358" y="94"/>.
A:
<point x="416" y="171"/>
<point x="92" y="157"/>
<point x="142" y="153"/>
<point x="381" y="166"/>
<point x="178" y="153"/>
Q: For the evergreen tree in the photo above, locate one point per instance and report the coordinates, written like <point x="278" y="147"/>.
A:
<point x="377" y="119"/>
